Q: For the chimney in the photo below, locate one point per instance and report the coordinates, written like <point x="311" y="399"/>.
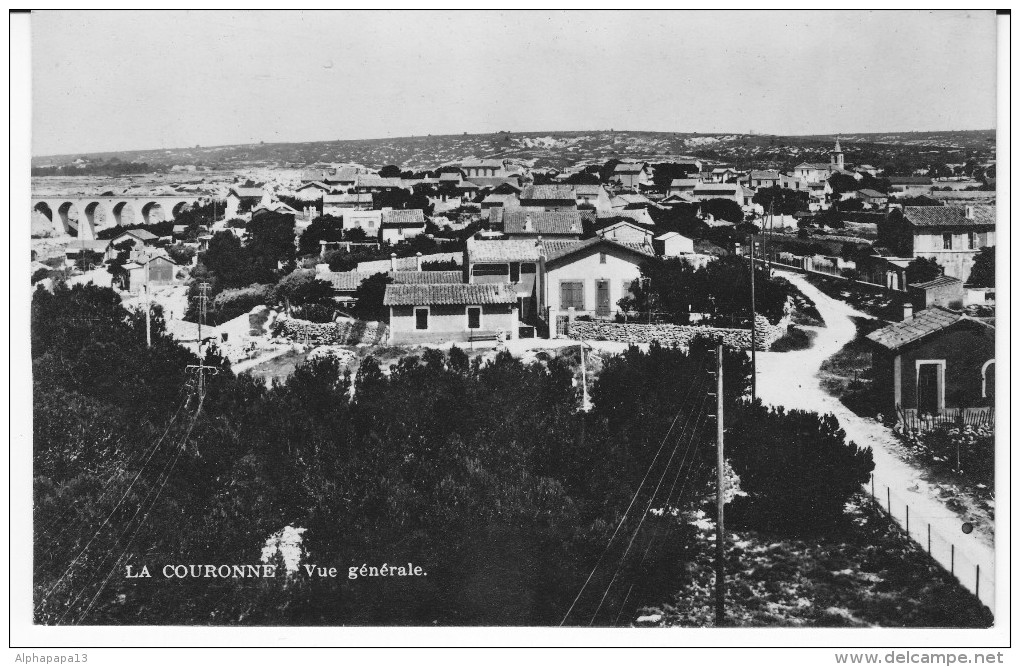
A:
<point x="908" y="311"/>
<point x="393" y="261"/>
<point x="527" y="222"/>
<point x="417" y="262"/>
<point x="968" y="212"/>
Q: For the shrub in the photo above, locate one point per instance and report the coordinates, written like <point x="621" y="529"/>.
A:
<point x="181" y="254"/>
<point x="231" y="303"/>
<point x="956" y="447"/>
<point x="796" y="467"/>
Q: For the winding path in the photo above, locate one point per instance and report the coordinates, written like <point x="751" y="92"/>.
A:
<point x="790" y="379"/>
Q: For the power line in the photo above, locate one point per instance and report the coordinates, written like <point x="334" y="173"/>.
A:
<point x="629" y="506"/>
<point x="644" y="514"/>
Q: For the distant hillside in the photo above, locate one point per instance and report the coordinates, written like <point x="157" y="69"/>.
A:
<point x="560" y="149"/>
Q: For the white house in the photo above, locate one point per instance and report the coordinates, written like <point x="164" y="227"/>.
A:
<point x="368" y="221"/>
<point x="399" y="225"/>
<point x="588" y="278"/>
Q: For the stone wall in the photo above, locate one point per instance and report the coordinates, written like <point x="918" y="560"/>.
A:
<point x="678" y="335"/>
<point x="345" y="332"/>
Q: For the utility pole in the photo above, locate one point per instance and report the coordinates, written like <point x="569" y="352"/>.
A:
<point x="200" y="368"/>
<point x="754" y="337"/>
<point x="148" y="311"/>
<point x="720" y="462"/>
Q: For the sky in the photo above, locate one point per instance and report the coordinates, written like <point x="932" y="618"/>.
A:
<point x="105" y="81"/>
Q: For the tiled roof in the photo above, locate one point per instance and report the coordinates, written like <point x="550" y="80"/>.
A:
<point x="468" y="185"/>
<point x="345" y="174"/>
<point x="868" y="192"/>
<point x="512" y="250"/>
<point x="502" y="199"/>
<point x="516" y="221"/>
<point x="143" y="234"/>
<point x="408" y="263"/>
<point x="449" y="294"/>
<point x="587" y="189"/>
<point x="922" y="324"/>
<point x="546" y="192"/>
<point x="948" y="216"/>
<point x="824" y="166"/>
<point x="374" y="181"/>
<point x="941" y="281"/>
<point x="426" y="277"/>
<point x="412" y="217"/>
<point x="314" y="184"/>
<point x="628" y="199"/>
<point x="683" y="182"/>
<point x="555" y="253"/>
<point x="348" y="198"/>
<point x="494" y="182"/>
<point x="964" y="195"/>
<point x="765" y="175"/>
<point x="628" y="168"/>
<point x="344" y="281"/>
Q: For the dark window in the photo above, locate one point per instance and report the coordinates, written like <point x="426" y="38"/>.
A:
<point x="421" y="318"/>
<point x="971" y="240"/>
<point x="528" y="267"/>
<point x="515" y="272"/>
<point x="474" y="314"/>
<point x="491" y="269"/>
<point x="602" y="258"/>
<point x="947" y="241"/>
<point x="628" y="288"/>
<point x="572" y="295"/>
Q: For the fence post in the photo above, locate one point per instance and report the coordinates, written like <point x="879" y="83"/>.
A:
<point x="929" y="538"/>
<point x="952" y="559"/>
<point x="977" y="581"/>
<point x="872" y="485"/>
<point x="888" y="501"/>
<point x="908" y="520"/>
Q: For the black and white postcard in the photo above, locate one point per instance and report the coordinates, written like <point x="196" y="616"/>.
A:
<point x="659" y="327"/>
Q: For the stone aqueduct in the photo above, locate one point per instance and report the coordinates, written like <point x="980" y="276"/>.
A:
<point x="90" y="214"/>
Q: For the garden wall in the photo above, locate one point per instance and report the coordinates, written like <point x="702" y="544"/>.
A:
<point x="347" y="332"/>
<point x="676" y="334"/>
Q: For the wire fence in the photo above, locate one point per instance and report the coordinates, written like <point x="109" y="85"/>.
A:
<point x="955" y="551"/>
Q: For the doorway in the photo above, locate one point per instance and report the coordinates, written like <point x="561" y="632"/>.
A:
<point x="602" y="298"/>
<point x="929" y="394"/>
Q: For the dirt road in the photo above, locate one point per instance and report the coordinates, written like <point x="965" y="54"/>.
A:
<point x="791" y="379"/>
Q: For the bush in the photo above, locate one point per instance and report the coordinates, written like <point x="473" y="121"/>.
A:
<point x="231" y="303"/>
<point x="181" y="254"/>
<point x="41" y="274"/>
<point x="315" y="312"/>
<point x="796" y="467"/>
<point x="975" y="447"/>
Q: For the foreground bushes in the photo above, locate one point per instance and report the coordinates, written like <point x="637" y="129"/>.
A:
<point x="796" y="467"/>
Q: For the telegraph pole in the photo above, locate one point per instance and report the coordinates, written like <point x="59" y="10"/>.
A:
<point x="754" y="337"/>
<point x="148" y="311"/>
<point x="720" y="550"/>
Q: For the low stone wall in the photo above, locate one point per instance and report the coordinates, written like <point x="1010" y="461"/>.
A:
<point x="347" y="332"/>
<point x="677" y="335"/>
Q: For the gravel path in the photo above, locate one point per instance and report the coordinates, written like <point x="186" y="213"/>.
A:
<point x="791" y="379"/>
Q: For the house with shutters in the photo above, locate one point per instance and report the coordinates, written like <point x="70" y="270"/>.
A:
<point x="450" y="312"/>
<point x="549" y="197"/>
<point x="399" y="225"/>
<point x="485" y="168"/>
<point x="951" y="235"/>
<point x="630" y="175"/>
<point x="338" y="205"/>
<point x="149" y="267"/>
<point x="586" y="278"/>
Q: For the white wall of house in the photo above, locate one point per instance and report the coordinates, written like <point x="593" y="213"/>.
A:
<point x="958" y="258"/>
<point x="447" y="323"/>
<point x="397" y="234"/>
<point x="615" y="266"/>
<point x="369" y="221"/>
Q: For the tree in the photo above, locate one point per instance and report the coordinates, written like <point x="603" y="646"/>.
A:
<point x="780" y="200"/>
<point x="841" y="183"/>
<point x="270" y="242"/>
<point x="369" y="295"/>
<point x="923" y="269"/>
<point x="390" y="171"/>
<point x="322" y="228"/>
<point x="796" y="467"/>
<point x="181" y="254"/>
<point x="982" y="274"/>
<point x="88" y="259"/>
<point x="303" y="287"/>
<point x="723" y="209"/>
